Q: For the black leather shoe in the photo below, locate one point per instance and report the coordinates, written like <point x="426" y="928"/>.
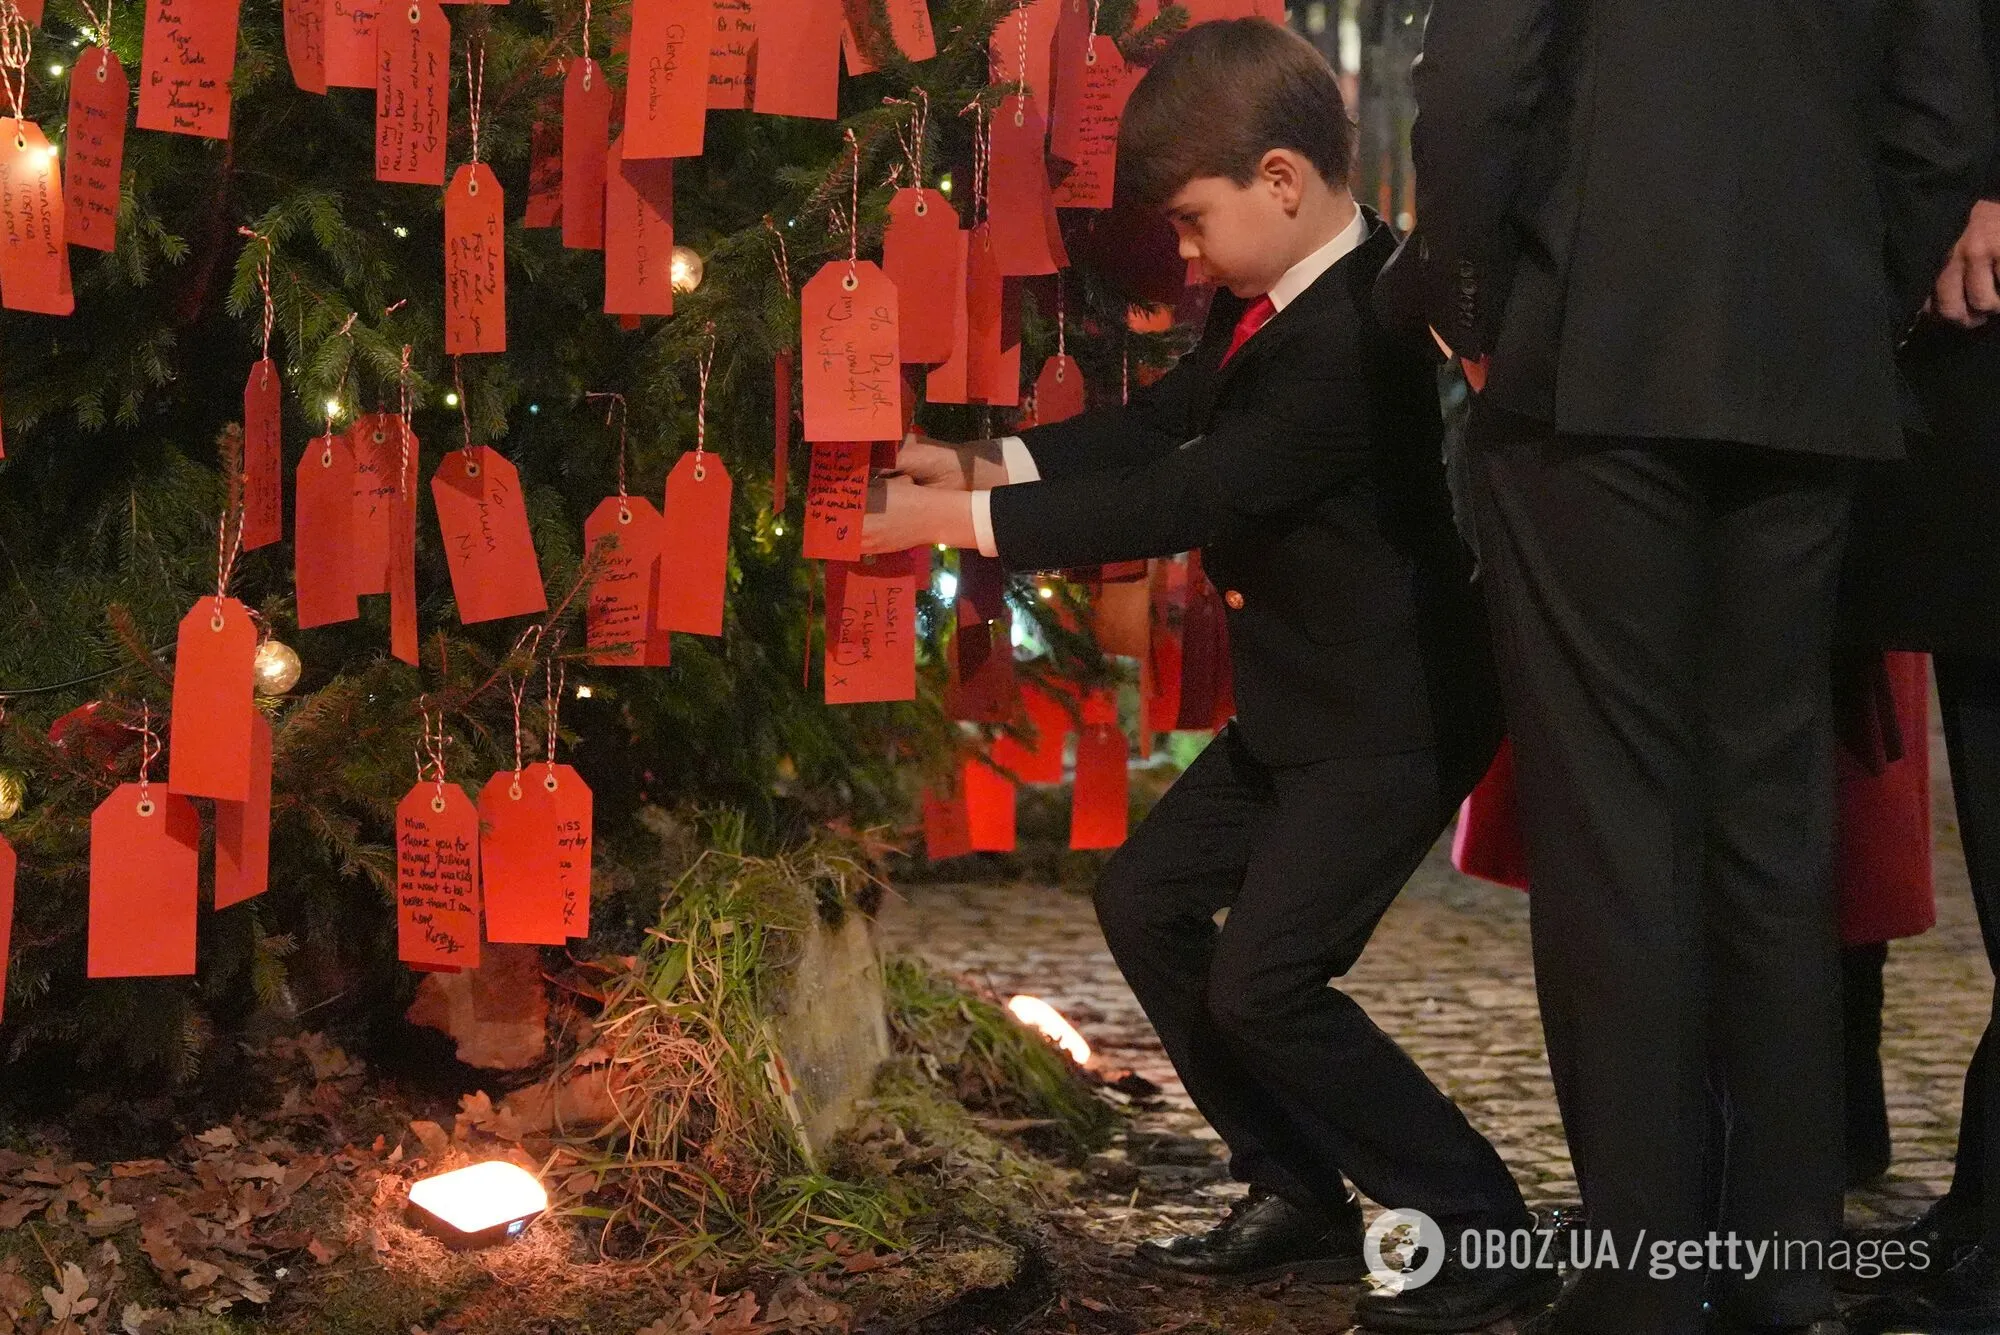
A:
<point x="1964" y="1300"/>
<point x="1929" y="1245"/>
<point x="1262" y="1237"/>
<point x="1458" y="1299"/>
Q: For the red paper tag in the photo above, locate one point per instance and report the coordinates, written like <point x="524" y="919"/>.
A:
<point x="323" y="533"/>
<point x="378" y="457"/>
<point x="836" y="499"/>
<point x="263" y="466"/>
<point x="475" y="262"/>
<point x="413" y="81"/>
<point x="871" y="642"/>
<point x="796" y="67"/>
<point x="694" y="546"/>
<point x="853" y="389"/>
<point x="586" y="134"/>
<point x="626" y="536"/>
<point x="782" y="371"/>
<point x="638" y="234"/>
<point x="94" y="148"/>
<point x="1005" y="48"/>
<point x="243" y="829"/>
<point x="437" y="878"/>
<point x="570" y="803"/>
<point x="666" y="78"/>
<point x="1107" y="87"/>
<point x="34" y="261"/>
<point x="1040" y="759"/>
<point x="1069" y="54"/>
<point x="947" y="825"/>
<point x="732" y="55"/>
<point x="1018" y="197"/>
<point x="305" y="43"/>
<point x="350" y="43"/>
<point x="1204" y="652"/>
<point x="989" y="807"/>
<point x="403" y="566"/>
<point x="545" y="173"/>
<point x="214" y="665"/>
<point x="8" y="866"/>
<point x="1169" y="588"/>
<point x="1101" y="797"/>
<point x="517" y="862"/>
<point x="909" y="31"/>
<point x="920" y="256"/>
<point x="1119" y="617"/>
<point x="31" y="10"/>
<point x="188" y="61"/>
<point x="993" y="327"/>
<point x="947" y="382"/>
<point x="982" y="688"/>
<point x="484" y="521"/>
<point x="1058" y="390"/>
<point x="144" y="858"/>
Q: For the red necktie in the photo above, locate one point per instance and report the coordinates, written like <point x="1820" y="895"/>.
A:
<point x="1254" y="317"/>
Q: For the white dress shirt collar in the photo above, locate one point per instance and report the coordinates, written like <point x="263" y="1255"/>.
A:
<point x="1307" y="271"/>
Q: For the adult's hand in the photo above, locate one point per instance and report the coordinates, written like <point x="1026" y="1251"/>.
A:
<point x="902" y="515"/>
<point x="934" y="463"/>
<point x="1968" y="291"/>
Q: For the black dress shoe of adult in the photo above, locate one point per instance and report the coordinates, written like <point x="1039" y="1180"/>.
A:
<point x="1262" y="1237"/>
<point x="1457" y="1299"/>
<point x="1925" y="1248"/>
<point x="1964" y="1300"/>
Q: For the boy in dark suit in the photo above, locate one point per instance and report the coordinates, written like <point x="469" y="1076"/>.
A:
<point x="1298" y="446"/>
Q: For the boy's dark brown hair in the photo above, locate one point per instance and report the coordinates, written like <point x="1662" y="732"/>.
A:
<point x="1222" y="96"/>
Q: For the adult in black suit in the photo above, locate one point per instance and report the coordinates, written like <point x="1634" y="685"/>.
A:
<point x="1679" y="242"/>
<point x="1298" y="447"/>
<point x="1925" y="574"/>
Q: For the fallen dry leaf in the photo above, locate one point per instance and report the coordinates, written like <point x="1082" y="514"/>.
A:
<point x="73" y="1299"/>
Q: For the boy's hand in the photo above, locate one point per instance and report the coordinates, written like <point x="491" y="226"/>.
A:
<point x="933" y="463"/>
<point x="1967" y="294"/>
<point x="902" y="515"/>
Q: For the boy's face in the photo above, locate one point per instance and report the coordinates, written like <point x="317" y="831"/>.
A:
<point x="1240" y="235"/>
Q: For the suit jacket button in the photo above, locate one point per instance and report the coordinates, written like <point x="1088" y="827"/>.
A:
<point x="1234" y="599"/>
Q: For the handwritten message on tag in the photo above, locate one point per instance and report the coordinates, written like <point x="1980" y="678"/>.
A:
<point x="34" y="259"/>
<point x="871" y="643"/>
<point x="243" y="829"/>
<point x="732" y="55"/>
<point x="305" y="43"/>
<point x="517" y="861"/>
<point x="94" y="148"/>
<point x="853" y="382"/>
<point x="208" y="751"/>
<point x="666" y="80"/>
<point x="571" y="804"/>
<point x="437" y="877"/>
<point x="190" y="56"/>
<point x="909" y="32"/>
<point x="263" y="467"/>
<point x="638" y="234"/>
<point x="625" y="536"/>
<point x="323" y="533"/>
<point x="586" y="136"/>
<point x="795" y="70"/>
<point x="1107" y="86"/>
<point x="836" y="499"/>
<point x="475" y="262"/>
<point x="350" y="42"/>
<point x="484" y="522"/>
<point x="145" y="852"/>
<point x="413" y="78"/>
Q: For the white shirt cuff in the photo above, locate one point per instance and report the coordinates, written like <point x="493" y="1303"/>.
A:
<point x="982" y="522"/>
<point x="1019" y="462"/>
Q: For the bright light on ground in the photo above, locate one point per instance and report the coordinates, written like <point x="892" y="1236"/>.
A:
<point x="1047" y="1020"/>
<point x="482" y="1196"/>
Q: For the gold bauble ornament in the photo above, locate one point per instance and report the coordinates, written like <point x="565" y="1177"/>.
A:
<point x="685" y="269"/>
<point x="13" y="792"/>
<point x="277" y="668"/>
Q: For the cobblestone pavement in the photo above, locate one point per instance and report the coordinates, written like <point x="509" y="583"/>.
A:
<point x="1449" y="975"/>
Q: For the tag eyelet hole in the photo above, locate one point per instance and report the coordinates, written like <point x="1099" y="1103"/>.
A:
<point x="326" y="459"/>
<point x="923" y="208"/>
<point x="1090" y="59"/>
<point x="416" y="16"/>
<point x="215" y="622"/>
<point x="472" y="470"/>
<point x="849" y="283"/>
<point x="550" y="783"/>
<point x="100" y="72"/>
<point x="514" y="792"/>
<point x="624" y="516"/>
<point x="472" y="185"/>
<point x="437" y="804"/>
<point x="146" y="807"/>
<point x="700" y="473"/>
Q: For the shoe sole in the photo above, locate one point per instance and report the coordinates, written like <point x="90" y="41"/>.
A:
<point x="1526" y="1304"/>
<point x="1331" y="1270"/>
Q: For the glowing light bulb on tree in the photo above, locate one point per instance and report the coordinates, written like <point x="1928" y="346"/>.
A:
<point x="685" y="269"/>
<point x="277" y="668"/>
<point x="13" y="792"/>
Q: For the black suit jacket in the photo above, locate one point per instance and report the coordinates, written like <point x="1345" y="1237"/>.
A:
<point x="1709" y="219"/>
<point x="1308" y="471"/>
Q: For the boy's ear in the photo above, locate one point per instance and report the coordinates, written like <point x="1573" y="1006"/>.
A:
<point x="1284" y="171"/>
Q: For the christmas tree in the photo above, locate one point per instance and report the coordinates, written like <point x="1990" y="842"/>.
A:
<point x="262" y="230"/>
